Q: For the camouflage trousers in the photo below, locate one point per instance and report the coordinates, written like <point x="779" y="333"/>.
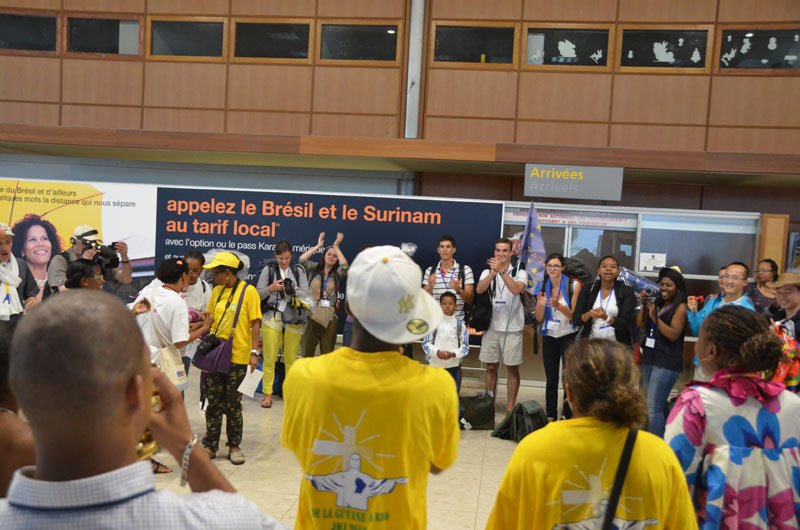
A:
<point x="224" y="398"/>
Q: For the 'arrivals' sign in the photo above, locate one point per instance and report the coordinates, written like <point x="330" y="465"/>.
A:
<point x="573" y="182"/>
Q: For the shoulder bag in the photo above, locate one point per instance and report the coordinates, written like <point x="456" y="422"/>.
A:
<point x="619" y="479"/>
<point x="216" y="358"/>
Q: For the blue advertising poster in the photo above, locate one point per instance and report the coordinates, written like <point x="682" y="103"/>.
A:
<point x="252" y="222"/>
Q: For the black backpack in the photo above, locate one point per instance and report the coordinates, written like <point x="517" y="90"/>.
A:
<point x="525" y="297"/>
<point x="523" y="419"/>
<point x="481" y="317"/>
<point x="577" y="269"/>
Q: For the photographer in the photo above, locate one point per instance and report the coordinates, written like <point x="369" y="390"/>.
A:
<point x="280" y="285"/>
<point x="86" y="244"/>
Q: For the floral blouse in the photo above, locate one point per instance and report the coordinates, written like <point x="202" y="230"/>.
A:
<point x="737" y="439"/>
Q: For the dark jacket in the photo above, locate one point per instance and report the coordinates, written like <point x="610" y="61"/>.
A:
<point x="27" y="287"/>
<point x="626" y="303"/>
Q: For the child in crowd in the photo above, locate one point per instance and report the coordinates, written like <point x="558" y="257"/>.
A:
<point x="449" y="343"/>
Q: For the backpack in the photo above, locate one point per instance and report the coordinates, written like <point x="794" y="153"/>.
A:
<point x="527" y="299"/>
<point x="577" y="270"/>
<point x="523" y="419"/>
<point x="481" y="317"/>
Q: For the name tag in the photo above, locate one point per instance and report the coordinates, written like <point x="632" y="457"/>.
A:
<point x="552" y="325"/>
<point x="500" y="306"/>
<point x="281" y="305"/>
<point x="324" y="303"/>
<point x="650" y="342"/>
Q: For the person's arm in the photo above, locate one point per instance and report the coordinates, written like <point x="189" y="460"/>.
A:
<point x="429" y="348"/>
<point x="568" y="310"/>
<point x="464" y="349"/>
<point x="305" y="256"/>
<point x="515" y="284"/>
<point x="696" y="318"/>
<point x="339" y="253"/>
<point x="170" y="427"/>
<point x="57" y="272"/>
<point x="487" y="276"/>
<point x="196" y="331"/>
<point x="583" y="313"/>
<point x="467" y="294"/>
<point x="124" y="274"/>
<point x="428" y="280"/>
<point x="673" y="330"/>
<point x="541" y="302"/>
<point x="255" y="331"/>
<point x="686" y="434"/>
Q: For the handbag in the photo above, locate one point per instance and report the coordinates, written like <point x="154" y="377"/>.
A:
<point x="295" y="312"/>
<point x="217" y="360"/>
<point x="323" y="315"/>
<point x="169" y="358"/>
<point x="477" y="412"/>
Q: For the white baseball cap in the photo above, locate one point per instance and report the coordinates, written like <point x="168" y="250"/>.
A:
<point x="5" y="229"/>
<point x="86" y="232"/>
<point x="384" y="294"/>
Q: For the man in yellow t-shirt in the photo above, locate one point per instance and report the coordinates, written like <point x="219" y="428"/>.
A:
<point x="367" y="424"/>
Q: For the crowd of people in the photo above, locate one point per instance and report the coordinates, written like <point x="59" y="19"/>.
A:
<point x="367" y="424"/>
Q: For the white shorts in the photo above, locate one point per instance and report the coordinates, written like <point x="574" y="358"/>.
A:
<point x="495" y="344"/>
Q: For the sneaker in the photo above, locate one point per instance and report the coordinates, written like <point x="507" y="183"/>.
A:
<point x="236" y="456"/>
<point x="210" y="452"/>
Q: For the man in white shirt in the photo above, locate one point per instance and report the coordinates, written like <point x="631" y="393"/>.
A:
<point x="503" y="339"/>
<point x="84" y="348"/>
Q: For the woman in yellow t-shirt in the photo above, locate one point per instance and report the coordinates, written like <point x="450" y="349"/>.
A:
<point x="561" y="476"/>
<point x="223" y="395"/>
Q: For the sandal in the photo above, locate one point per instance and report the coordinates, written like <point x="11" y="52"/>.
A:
<point x="266" y="403"/>
<point x="159" y="468"/>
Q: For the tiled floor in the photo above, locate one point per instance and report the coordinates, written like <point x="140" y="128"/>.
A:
<point x="459" y="498"/>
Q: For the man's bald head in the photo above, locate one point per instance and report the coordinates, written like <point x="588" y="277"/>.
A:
<point x="72" y="356"/>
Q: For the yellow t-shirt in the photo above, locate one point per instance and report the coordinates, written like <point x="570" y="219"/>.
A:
<point x="222" y="320"/>
<point x="561" y="477"/>
<point x="366" y="429"/>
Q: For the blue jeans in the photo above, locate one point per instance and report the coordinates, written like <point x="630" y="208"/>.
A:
<point x="456" y="373"/>
<point x="659" y="382"/>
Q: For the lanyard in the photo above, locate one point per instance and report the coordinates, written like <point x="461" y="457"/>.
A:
<point x="501" y="287"/>
<point x="227" y="305"/>
<point x="323" y="288"/>
<point x="452" y="274"/>
<point x="607" y="300"/>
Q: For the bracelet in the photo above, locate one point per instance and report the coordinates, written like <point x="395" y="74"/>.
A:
<point x="187" y="452"/>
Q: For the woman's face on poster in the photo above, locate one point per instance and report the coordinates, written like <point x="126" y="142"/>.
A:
<point x="37" y="248"/>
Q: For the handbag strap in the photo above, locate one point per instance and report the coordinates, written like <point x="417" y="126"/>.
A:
<point x="238" y="308"/>
<point x="622" y="470"/>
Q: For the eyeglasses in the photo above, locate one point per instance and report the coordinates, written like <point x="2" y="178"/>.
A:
<point x="554" y="266"/>
<point x="732" y="277"/>
<point x="764" y="270"/>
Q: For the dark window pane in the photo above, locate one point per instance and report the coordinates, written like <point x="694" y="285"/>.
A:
<point x="22" y="32"/>
<point x="359" y="42"/>
<point x="277" y="41"/>
<point x="698" y="252"/>
<point x="192" y="39"/>
<point x="760" y="49"/>
<point x="664" y="48"/>
<point x="569" y="47"/>
<point x="97" y="35"/>
<point x="591" y="244"/>
<point x="464" y="44"/>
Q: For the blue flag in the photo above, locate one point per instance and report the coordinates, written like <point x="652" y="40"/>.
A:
<point x="533" y="253"/>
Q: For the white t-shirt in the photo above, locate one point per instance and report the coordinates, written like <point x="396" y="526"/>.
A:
<point x="507" y="312"/>
<point x="197" y="298"/>
<point x="443" y="283"/>
<point x="169" y="314"/>
<point x="600" y="328"/>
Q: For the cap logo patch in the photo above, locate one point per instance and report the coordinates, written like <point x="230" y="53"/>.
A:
<point x="406" y="303"/>
<point x="417" y="326"/>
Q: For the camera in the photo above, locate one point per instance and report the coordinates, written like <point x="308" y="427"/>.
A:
<point x="105" y="256"/>
<point x="207" y="343"/>
<point x="288" y="287"/>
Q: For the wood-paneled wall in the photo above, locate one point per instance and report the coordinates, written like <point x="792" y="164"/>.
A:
<point x="662" y="111"/>
<point x="123" y="92"/>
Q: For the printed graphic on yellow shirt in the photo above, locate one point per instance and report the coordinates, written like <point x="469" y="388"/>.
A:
<point x="592" y="492"/>
<point x="352" y="486"/>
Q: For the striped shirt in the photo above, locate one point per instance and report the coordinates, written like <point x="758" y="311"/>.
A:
<point x="443" y="283"/>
